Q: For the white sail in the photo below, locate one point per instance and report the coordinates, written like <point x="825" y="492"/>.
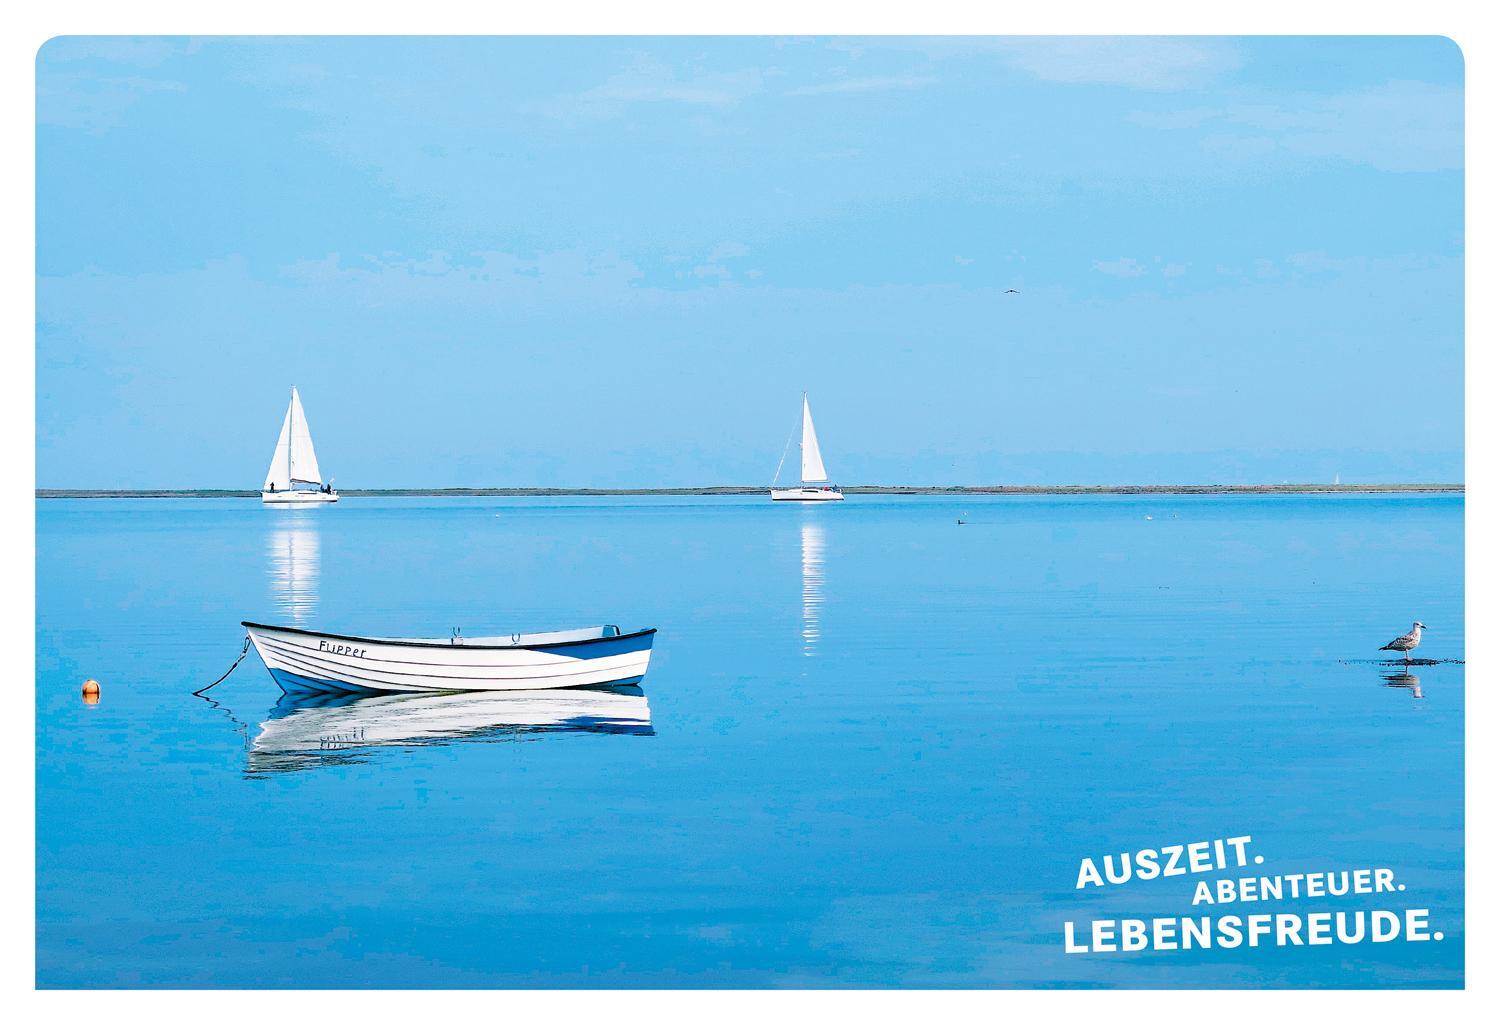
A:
<point x="304" y="462"/>
<point x="294" y="460"/>
<point x="279" y="476"/>
<point x="813" y="471"/>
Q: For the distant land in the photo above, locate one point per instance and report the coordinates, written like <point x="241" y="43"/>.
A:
<point x="854" y="489"/>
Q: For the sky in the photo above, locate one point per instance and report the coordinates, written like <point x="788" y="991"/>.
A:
<point x="619" y="262"/>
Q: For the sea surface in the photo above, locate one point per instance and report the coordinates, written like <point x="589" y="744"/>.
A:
<point x="874" y="744"/>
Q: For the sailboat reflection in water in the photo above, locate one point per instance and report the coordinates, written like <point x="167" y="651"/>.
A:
<point x="292" y="566"/>
<point x="305" y="732"/>
<point x="812" y="583"/>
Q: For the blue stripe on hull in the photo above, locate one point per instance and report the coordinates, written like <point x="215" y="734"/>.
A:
<point x="292" y="683"/>
<point x="601" y="648"/>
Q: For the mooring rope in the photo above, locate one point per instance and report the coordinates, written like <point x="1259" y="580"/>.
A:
<point x="240" y="726"/>
<point x="243" y="652"/>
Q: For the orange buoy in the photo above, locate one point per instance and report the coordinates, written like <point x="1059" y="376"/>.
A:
<point x="91" y="692"/>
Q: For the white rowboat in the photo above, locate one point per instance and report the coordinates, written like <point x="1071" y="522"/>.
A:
<point x="306" y="661"/>
<point x="815" y="486"/>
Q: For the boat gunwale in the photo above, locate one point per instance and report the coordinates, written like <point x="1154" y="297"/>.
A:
<point x="442" y="644"/>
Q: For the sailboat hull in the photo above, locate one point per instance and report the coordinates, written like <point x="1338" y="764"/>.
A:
<point x="807" y="494"/>
<point x="298" y="497"/>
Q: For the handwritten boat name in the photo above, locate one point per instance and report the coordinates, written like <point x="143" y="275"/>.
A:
<point x="341" y="649"/>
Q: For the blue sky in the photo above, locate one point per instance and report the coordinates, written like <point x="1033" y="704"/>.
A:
<point x="618" y="262"/>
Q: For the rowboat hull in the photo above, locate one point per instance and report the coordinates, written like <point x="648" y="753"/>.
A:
<point x="298" y="497"/>
<point x="827" y="494"/>
<point x="304" y="661"/>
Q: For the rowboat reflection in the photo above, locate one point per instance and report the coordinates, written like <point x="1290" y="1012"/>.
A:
<point x="307" y="731"/>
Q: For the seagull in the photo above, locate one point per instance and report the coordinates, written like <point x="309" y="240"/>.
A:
<point x="1012" y="291"/>
<point x="1407" y="642"/>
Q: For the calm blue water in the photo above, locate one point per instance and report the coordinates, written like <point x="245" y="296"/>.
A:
<point x="879" y="742"/>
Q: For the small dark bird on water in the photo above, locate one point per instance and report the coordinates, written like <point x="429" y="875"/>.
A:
<point x="1407" y="642"/>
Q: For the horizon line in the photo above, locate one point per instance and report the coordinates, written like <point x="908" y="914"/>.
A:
<point x="735" y="489"/>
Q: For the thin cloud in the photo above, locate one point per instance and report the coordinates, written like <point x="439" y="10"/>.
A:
<point x="1157" y="63"/>
<point x="481" y="279"/>
<point x="1137" y="62"/>
<point x="92" y="103"/>
<point x="713" y="265"/>
<point x="138" y="51"/>
<point x="863" y="85"/>
<point x="650" y="81"/>
<point x="1398" y="126"/>
<point x="1124" y="267"/>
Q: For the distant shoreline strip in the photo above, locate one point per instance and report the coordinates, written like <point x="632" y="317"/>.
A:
<point x="855" y="489"/>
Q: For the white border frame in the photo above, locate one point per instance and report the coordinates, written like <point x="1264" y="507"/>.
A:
<point x="28" y="26"/>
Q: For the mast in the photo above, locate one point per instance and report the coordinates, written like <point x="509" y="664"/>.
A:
<point x="291" y="438"/>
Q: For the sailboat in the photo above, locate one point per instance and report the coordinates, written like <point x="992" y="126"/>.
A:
<point x="815" y="486"/>
<point x="294" y="477"/>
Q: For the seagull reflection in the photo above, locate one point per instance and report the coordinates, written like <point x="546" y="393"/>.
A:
<point x="1406" y="680"/>
<point x="306" y="732"/>
<point x="292" y="564"/>
<point x="812" y="583"/>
